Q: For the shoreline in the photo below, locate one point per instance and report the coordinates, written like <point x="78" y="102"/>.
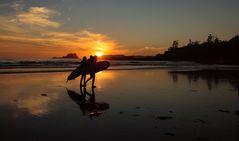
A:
<point x="117" y="68"/>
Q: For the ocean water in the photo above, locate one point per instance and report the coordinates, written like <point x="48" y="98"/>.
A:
<point x="61" y="65"/>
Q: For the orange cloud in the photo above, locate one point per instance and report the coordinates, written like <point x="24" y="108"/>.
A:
<point x="35" y="26"/>
<point x="80" y="42"/>
<point x="39" y="16"/>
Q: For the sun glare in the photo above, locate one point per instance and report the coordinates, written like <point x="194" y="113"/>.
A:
<point x="99" y="54"/>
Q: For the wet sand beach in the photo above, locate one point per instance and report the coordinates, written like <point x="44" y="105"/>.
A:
<point x="148" y="104"/>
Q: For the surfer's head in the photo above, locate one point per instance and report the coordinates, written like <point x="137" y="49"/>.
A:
<point x="91" y="59"/>
<point x="84" y="58"/>
<point x="95" y="58"/>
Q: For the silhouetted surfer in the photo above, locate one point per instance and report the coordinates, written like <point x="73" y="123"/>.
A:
<point x="92" y="65"/>
<point x="83" y="76"/>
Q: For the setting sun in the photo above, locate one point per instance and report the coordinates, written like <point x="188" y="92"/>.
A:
<point x="99" y="54"/>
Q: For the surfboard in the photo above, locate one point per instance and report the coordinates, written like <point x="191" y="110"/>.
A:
<point x="100" y="66"/>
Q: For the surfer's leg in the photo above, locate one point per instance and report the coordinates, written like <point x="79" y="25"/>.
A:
<point x="93" y="81"/>
<point x="88" y="79"/>
<point x="84" y="80"/>
<point x="82" y="76"/>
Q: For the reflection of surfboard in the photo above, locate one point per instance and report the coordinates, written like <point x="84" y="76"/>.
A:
<point x="88" y="107"/>
<point x="100" y="66"/>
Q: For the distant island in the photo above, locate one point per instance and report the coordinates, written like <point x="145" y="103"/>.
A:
<point x="68" y="56"/>
<point x="211" y="51"/>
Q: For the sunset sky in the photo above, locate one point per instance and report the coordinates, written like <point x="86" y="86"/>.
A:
<point x="43" y="29"/>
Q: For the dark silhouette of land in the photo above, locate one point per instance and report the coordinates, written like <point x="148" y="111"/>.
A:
<point x="212" y="51"/>
<point x="68" y="56"/>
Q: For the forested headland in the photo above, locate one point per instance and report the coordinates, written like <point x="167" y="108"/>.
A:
<point x="212" y="51"/>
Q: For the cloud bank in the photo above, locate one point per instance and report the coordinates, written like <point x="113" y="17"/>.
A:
<point x="37" y="26"/>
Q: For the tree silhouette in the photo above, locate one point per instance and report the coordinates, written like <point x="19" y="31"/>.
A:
<point x="189" y="42"/>
<point x="174" y="45"/>
<point x="210" y="38"/>
<point x="211" y="51"/>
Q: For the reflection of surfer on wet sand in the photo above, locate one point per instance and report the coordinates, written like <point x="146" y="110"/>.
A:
<point x="88" y="107"/>
<point x="91" y="66"/>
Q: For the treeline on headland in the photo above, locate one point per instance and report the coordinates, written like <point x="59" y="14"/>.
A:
<point x="212" y="51"/>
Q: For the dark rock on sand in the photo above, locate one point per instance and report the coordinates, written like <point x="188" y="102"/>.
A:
<point x="169" y="134"/>
<point x="237" y="113"/>
<point x="199" y="121"/>
<point x="15" y="100"/>
<point x="163" y="118"/>
<point x="137" y="107"/>
<point x="43" y="94"/>
<point x="224" y="111"/>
